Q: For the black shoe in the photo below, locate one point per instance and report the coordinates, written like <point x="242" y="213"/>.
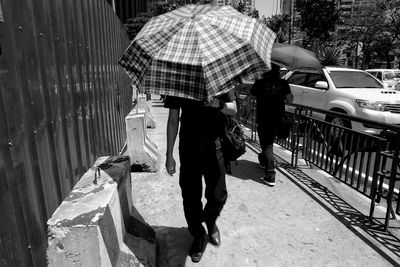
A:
<point x="197" y="249"/>
<point x="269" y="180"/>
<point x="214" y="235"/>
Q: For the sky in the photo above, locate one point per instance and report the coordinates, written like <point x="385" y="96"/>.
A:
<point x="267" y="7"/>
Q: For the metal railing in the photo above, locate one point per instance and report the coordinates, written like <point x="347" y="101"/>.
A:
<point x="366" y="163"/>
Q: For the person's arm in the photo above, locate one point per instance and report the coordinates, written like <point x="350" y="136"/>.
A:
<point x="228" y="107"/>
<point x="289" y="98"/>
<point x="172" y="132"/>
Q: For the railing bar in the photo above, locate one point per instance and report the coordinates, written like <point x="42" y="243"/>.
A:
<point x="338" y="140"/>
<point x="361" y="165"/>
<point x="348" y="161"/>
<point x="328" y="135"/>
<point x="367" y="172"/>
<point x="324" y="149"/>
<point x="355" y="157"/>
<point x="314" y="142"/>
<point x="320" y="155"/>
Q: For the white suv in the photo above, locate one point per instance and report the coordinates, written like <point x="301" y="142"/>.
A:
<point x="348" y="91"/>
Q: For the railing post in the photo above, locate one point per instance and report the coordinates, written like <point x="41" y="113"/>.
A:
<point x="374" y="185"/>
<point x="393" y="174"/>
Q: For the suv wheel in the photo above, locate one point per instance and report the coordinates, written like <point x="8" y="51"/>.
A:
<point x="337" y="136"/>
<point x="340" y="122"/>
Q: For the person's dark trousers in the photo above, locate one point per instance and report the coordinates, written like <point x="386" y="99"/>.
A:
<point x="266" y="137"/>
<point x="195" y="164"/>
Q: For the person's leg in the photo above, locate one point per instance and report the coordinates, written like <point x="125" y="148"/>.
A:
<point x="190" y="181"/>
<point x="269" y="158"/>
<point x="228" y="168"/>
<point x="268" y="153"/>
<point x="261" y="138"/>
<point x="266" y="157"/>
<point x="215" y="191"/>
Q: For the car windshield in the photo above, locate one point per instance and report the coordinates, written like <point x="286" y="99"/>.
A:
<point x="353" y="79"/>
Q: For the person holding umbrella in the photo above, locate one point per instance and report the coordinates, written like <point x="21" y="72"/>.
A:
<point x="200" y="155"/>
<point x="193" y="55"/>
<point x="271" y="93"/>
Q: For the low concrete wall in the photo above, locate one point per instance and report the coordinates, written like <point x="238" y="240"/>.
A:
<point x="142" y="105"/>
<point x="97" y="225"/>
<point x="143" y="152"/>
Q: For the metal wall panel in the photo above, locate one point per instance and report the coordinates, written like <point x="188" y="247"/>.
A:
<point x="63" y="100"/>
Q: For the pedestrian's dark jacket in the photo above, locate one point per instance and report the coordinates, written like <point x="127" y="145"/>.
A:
<point x="270" y="94"/>
<point x="200" y="125"/>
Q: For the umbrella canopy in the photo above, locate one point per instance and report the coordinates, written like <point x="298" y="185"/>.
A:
<point x="294" y="57"/>
<point x="198" y="51"/>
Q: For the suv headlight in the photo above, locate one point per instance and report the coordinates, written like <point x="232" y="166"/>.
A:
<point x="374" y="105"/>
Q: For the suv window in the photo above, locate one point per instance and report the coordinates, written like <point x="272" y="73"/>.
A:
<point x="313" y="78"/>
<point x="306" y="79"/>
<point x="379" y="76"/>
<point x="298" y="78"/>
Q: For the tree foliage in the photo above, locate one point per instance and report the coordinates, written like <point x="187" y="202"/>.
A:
<point x="278" y="24"/>
<point x="240" y="6"/>
<point x="331" y="56"/>
<point x="318" y="19"/>
<point x="134" y="25"/>
<point x="376" y="26"/>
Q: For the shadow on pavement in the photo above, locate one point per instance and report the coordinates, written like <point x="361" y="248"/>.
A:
<point x="246" y="170"/>
<point x="173" y="245"/>
<point x="345" y="213"/>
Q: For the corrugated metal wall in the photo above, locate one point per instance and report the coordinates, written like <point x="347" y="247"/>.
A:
<point x="63" y="99"/>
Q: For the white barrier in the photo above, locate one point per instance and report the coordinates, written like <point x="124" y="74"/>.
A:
<point x="142" y="105"/>
<point x="142" y="151"/>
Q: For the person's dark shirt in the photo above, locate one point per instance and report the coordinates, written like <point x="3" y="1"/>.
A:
<point x="270" y="95"/>
<point x="200" y="126"/>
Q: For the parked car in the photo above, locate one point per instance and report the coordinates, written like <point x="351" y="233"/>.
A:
<point x="349" y="91"/>
<point x="389" y="77"/>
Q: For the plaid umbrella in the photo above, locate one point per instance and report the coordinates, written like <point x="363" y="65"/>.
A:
<point x="198" y="51"/>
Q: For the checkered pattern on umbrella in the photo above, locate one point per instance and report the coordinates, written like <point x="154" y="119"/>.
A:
<point x="198" y="51"/>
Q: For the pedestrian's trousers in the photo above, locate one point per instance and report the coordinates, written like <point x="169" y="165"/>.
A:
<point x="267" y="137"/>
<point x="195" y="165"/>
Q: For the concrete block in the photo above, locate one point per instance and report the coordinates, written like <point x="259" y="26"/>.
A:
<point x="143" y="152"/>
<point x="135" y="93"/>
<point x="97" y="225"/>
<point x="142" y="105"/>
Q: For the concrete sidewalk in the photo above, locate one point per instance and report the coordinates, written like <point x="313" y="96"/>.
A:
<point x="307" y="219"/>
